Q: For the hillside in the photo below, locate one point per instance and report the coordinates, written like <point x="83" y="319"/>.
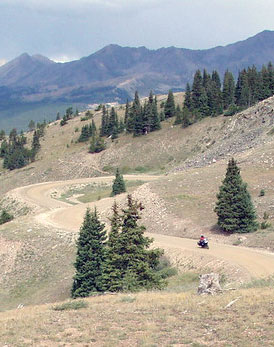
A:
<point x="147" y="319"/>
<point x="114" y="72"/>
<point x="176" y="173"/>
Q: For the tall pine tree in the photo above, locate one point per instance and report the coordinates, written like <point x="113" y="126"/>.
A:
<point x="169" y="105"/>
<point x="228" y="90"/>
<point x="118" y="185"/>
<point x="91" y="257"/>
<point x="234" y="207"/>
<point x="133" y="264"/>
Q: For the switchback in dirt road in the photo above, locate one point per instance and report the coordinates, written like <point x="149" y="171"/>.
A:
<point x="242" y="263"/>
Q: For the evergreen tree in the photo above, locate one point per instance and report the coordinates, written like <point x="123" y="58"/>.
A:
<point x="185" y="118"/>
<point x="228" y="89"/>
<point x="4" y="148"/>
<point x="270" y="70"/>
<point x="35" y="146"/>
<point x="13" y="136"/>
<point x="136" y="116"/>
<point x="155" y="123"/>
<point x="90" y="258"/>
<point x="162" y="116"/>
<point x="111" y="272"/>
<point x="214" y="95"/>
<point x="206" y="79"/>
<point x="216" y="79"/>
<point x="31" y="125"/>
<point x="188" y="99"/>
<point x="203" y="110"/>
<point x="97" y="144"/>
<point x="2" y="135"/>
<point x="147" y="113"/>
<point x="135" y="262"/>
<point x="253" y="83"/>
<point x="69" y="113"/>
<point x="121" y="127"/>
<point x="178" y="115"/>
<point x="126" y="114"/>
<point x="40" y="128"/>
<point x="169" y="105"/>
<point x="115" y="132"/>
<point x="113" y="123"/>
<point x="242" y="92"/>
<point x="104" y="122"/>
<point x="14" y="153"/>
<point x="92" y="129"/>
<point x="118" y="185"/>
<point x="266" y="83"/>
<point x="234" y="207"/>
<point x="85" y="134"/>
<point x="130" y="119"/>
<point x="64" y="121"/>
<point x="197" y="91"/>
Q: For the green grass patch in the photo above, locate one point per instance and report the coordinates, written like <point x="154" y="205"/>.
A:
<point x="260" y="283"/>
<point x="101" y="192"/>
<point x="95" y="195"/>
<point x="94" y="191"/>
<point x="109" y="168"/>
<point x="142" y="169"/>
<point x="71" y="305"/>
<point x="128" y="298"/>
<point x="183" y="282"/>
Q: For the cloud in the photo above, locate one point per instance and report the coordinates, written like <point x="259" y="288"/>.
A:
<point x="68" y="29"/>
<point x="57" y="5"/>
<point x="63" y="58"/>
<point x="2" y="62"/>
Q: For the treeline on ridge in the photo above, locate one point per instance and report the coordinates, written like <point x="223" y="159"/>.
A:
<point x="207" y="96"/>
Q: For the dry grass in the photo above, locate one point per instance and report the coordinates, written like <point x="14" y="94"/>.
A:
<point x="191" y="195"/>
<point x="38" y="266"/>
<point x="148" y="319"/>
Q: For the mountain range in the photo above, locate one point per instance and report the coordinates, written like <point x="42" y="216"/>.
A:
<point x="115" y="72"/>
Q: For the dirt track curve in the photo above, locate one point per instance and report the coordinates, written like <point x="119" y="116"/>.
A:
<point x="252" y="262"/>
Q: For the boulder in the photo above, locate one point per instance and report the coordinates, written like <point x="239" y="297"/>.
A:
<point x="209" y="284"/>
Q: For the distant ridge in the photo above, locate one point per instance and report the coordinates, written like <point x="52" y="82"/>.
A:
<point x="115" y="72"/>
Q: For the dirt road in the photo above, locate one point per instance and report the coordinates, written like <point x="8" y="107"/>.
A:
<point x="245" y="261"/>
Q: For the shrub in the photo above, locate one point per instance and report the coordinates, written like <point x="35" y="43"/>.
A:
<point x="5" y="217"/>
<point x="165" y="269"/>
<point x="265" y="224"/>
<point x="232" y="109"/>
<point x="262" y="192"/>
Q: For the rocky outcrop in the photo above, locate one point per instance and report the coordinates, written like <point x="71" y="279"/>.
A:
<point x="245" y="130"/>
<point x="209" y="284"/>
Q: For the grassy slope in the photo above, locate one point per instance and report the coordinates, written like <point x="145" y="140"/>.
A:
<point x="148" y="319"/>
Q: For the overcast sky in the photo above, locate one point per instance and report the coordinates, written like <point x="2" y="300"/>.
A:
<point x="70" y="29"/>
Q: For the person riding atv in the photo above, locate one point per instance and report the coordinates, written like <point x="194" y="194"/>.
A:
<point x="203" y="242"/>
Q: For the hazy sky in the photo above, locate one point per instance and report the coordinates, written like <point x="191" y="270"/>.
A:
<point x="70" y="29"/>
